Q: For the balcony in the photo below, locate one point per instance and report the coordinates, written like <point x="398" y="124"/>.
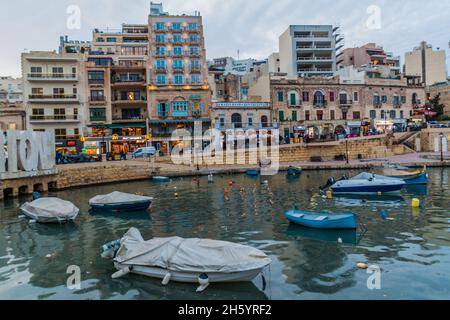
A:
<point x="141" y="100"/>
<point x="397" y="104"/>
<point x="137" y="81"/>
<point x="52" y="77"/>
<point x="163" y="114"/>
<point x="178" y="70"/>
<point x="53" y="98"/>
<point x="97" y="119"/>
<point x="246" y="126"/>
<point x="345" y="103"/>
<point x="180" y="113"/>
<point x="95" y="101"/>
<point x="314" y="59"/>
<point x="175" y="54"/>
<point x="161" y="69"/>
<point x="195" y="69"/>
<point x="192" y="54"/>
<point x="377" y="104"/>
<point x="129" y="65"/>
<point x="320" y="103"/>
<point x="96" y="81"/>
<point x="54" y="118"/>
<point x="159" y="54"/>
<point x="139" y="118"/>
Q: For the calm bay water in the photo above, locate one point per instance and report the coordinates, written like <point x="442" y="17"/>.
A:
<point x="412" y="247"/>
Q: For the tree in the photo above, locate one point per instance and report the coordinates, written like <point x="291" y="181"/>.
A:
<point x="435" y="105"/>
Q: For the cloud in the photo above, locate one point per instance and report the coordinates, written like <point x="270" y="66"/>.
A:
<point x="252" y="27"/>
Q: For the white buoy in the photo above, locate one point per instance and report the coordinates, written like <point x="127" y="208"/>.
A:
<point x="121" y="273"/>
<point x="340" y="240"/>
<point x="166" y="279"/>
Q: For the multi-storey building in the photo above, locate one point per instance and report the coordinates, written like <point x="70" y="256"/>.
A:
<point x="116" y="84"/>
<point x="426" y="63"/>
<point x="370" y="55"/>
<point x="12" y="113"/>
<point x="179" y="94"/>
<point x="351" y="103"/>
<point x="54" y="94"/>
<point x="309" y="50"/>
<point x="443" y="90"/>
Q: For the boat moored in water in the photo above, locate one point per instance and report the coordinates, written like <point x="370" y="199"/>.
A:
<point x="313" y="220"/>
<point x="119" y="201"/>
<point x="161" y="179"/>
<point x="50" y="210"/>
<point x="176" y="259"/>
<point x="367" y="183"/>
<point x="294" y="171"/>
<point x="410" y="177"/>
<point x="252" y="173"/>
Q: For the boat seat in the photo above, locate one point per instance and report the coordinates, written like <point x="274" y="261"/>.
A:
<point x="321" y="218"/>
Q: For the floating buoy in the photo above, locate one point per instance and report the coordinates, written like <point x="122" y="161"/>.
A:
<point x="230" y="183"/>
<point x="416" y="203"/>
<point x="362" y="265"/>
<point x="329" y="194"/>
<point x="340" y="240"/>
<point x="379" y="193"/>
<point x="48" y="256"/>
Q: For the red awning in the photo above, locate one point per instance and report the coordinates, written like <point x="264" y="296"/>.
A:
<point x="427" y="112"/>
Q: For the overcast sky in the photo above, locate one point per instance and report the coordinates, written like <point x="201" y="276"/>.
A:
<point x="253" y="26"/>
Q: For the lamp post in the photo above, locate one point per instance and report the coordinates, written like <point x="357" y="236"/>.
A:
<point x="441" y="136"/>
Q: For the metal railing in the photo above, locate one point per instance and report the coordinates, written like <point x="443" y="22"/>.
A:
<point x="54" y="118"/>
<point x="52" y="76"/>
<point x="53" y="96"/>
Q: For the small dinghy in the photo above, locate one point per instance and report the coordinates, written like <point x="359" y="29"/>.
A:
<point x="322" y="220"/>
<point x="252" y="173"/>
<point x="294" y="171"/>
<point x="176" y="259"/>
<point x="161" y="179"/>
<point x="367" y="183"/>
<point x="50" y="210"/>
<point x="119" y="201"/>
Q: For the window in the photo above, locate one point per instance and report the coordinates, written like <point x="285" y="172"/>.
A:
<point x="37" y="91"/>
<point x="319" y="115"/>
<point x="97" y="95"/>
<point x="134" y="51"/>
<point x="100" y="40"/>
<point x="176" y="26"/>
<point x="35" y="70"/>
<point x="331" y="96"/>
<point x="294" y="116"/>
<point x="373" y="114"/>
<point x="280" y="96"/>
<point x="160" y="26"/>
<point x="193" y="26"/>
<point x="163" y="109"/>
<point x="305" y="96"/>
<point x="307" y="115"/>
<point x="59" y="114"/>
<point x="250" y="122"/>
<point x="161" y="79"/>
<point x="58" y="92"/>
<point x="195" y="79"/>
<point x="161" y="51"/>
<point x="178" y="64"/>
<point x="403" y="99"/>
<point x="383" y="116"/>
<point x="57" y="72"/>
<point x="355" y="96"/>
<point x="195" y="64"/>
<point x="160" y="64"/>
<point x="160" y="38"/>
<point x="402" y="114"/>
<point x="177" y="38"/>
<point x="293" y="99"/>
<point x="395" y="100"/>
<point x="393" y="114"/>
<point x="384" y="99"/>
<point x="193" y="38"/>
<point x="356" y="115"/>
<point x="178" y="51"/>
<point x="178" y="79"/>
<point x="60" y="134"/>
<point x="194" y="50"/>
<point x="97" y="114"/>
<point x="343" y="98"/>
<point x="319" y="98"/>
<point x="344" y="115"/>
<point x="264" y="121"/>
<point x="281" y="115"/>
<point x="38" y="114"/>
<point x="76" y="131"/>
<point x="332" y="115"/>
<point x="96" y="76"/>
<point x="110" y="39"/>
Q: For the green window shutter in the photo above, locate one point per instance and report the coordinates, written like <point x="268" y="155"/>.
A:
<point x="280" y="96"/>
<point x="293" y="99"/>
<point x="281" y="115"/>
<point x="294" y="115"/>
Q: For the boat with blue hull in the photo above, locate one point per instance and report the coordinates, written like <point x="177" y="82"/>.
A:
<point x="294" y="171"/>
<point x="367" y="183"/>
<point x="119" y="201"/>
<point x="252" y="173"/>
<point x="347" y="236"/>
<point x="410" y="177"/>
<point x="333" y="221"/>
<point x="160" y="179"/>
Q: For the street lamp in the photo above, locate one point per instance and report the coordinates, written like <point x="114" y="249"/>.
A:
<point x="441" y="135"/>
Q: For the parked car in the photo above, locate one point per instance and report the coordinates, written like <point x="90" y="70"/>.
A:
<point x="144" y="152"/>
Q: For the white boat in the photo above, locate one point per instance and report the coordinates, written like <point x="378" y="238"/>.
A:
<point x="368" y="183"/>
<point x="50" y="210"/>
<point x="200" y="261"/>
<point x="119" y="201"/>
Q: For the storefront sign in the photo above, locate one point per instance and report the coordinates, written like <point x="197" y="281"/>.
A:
<point x="29" y="154"/>
<point x="71" y="143"/>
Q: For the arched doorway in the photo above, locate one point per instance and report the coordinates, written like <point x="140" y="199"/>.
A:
<point x="236" y="120"/>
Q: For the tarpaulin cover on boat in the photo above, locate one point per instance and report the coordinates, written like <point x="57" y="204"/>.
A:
<point x="189" y="255"/>
<point x="118" y="197"/>
<point x="50" y="209"/>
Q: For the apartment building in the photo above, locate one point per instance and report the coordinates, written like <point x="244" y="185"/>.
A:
<point x="309" y="50"/>
<point x="12" y="113"/>
<point x="426" y="63"/>
<point x="54" y="95"/>
<point x="443" y="90"/>
<point x="370" y="55"/>
<point x="116" y="85"/>
<point x="179" y="94"/>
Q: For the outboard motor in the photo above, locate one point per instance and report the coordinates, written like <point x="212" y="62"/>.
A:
<point x="330" y="182"/>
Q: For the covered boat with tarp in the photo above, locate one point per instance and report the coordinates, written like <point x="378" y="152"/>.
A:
<point x="50" y="210"/>
<point x="119" y="201"/>
<point x="201" y="261"/>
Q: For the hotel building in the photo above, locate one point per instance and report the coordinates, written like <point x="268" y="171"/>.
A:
<point x="12" y="113"/>
<point x="179" y="94"/>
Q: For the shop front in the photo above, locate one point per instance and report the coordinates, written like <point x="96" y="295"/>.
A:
<point x="383" y="126"/>
<point x="66" y="147"/>
<point x="127" y="138"/>
<point x="354" y="128"/>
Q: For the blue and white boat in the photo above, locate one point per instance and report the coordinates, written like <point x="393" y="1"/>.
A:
<point x="322" y="220"/>
<point x="119" y="201"/>
<point x="368" y="183"/>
